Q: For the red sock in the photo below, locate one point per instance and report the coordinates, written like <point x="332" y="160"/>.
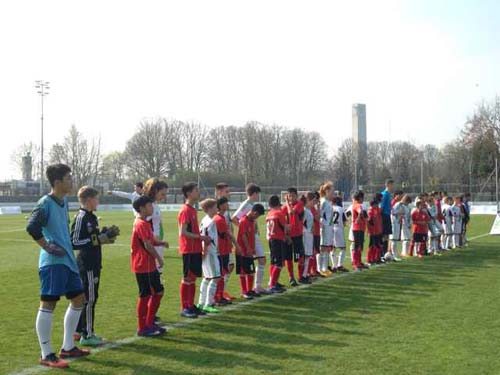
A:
<point x="153" y="305"/>
<point x="184" y="292"/>
<point x="220" y="289"/>
<point x="250" y="279"/>
<point x="289" y="267"/>
<point x="301" y="266"/>
<point x="142" y="312"/>
<point x="369" y="254"/>
<point x="243" y="284"/>
<point x="275" y="276"/>
<point x="412" y="246"/>
<point x="192" y="292"/>
<point x="312" y="265"/>
<point x="421" y="248"/>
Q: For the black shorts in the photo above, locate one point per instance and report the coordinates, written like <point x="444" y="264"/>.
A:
<point x="276" y="249"/>
<point x="148" y="282"/>
<point x="375" y="240"/>
<point x="316" y="243"/>
<point x="244" y="265"/>
<point x="191" y="264"/>
<point x="298" y="248"/>
<point x="224" y="264"/>
<point x="386" y="225"/>
<point x="359" y="239"/>
<point x="420" y="237"/>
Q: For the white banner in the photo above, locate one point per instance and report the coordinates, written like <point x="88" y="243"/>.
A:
<point x="495" y="228"/>
<point x="10" y="210"/>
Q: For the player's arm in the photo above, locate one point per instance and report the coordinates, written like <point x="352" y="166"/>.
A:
<point x="149" y="246"/>
<point x="80" y="236"/>
<point x="246" y="243"/>
<point x="36" y="222"/>
<point x="121" y="194"/>
<point x="184" y="232"/>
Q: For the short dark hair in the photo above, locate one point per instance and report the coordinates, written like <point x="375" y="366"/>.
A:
<point x="252" y="188"/>
<point x="141" y="202"/>
<point x="358" y="194"/>
<point x="139" y="184"/>
<point x="274" y="201"/>
<point x="398" y="192"/>
<point x="389" y="181"/>
<point x="56" y="172"/>
<point x="316" y="195"/>
<point x="292" y="190"/>
<point x="378" y="197"/>
<point x="337" y="201"/>
<point x="222" y="201"/>
<point x="221" y="185"/>
<point x="258" y="208"/>
<point x="188" y="187"/>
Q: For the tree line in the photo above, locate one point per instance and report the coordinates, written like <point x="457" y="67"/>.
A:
<point x="275" y="155"/>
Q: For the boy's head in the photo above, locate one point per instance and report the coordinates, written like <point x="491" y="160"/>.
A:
<point x="138" y="187"/>
<point x="190" y="191"/>
<point x="223" y="204"/>
<point x="406" y="199"/>
<point x="457" y="199"/>
<point x="88" y="198"/>
<point x="358" y="196"/>
<point x="448" y="200"/>
<point x="337" y="201"/>
<point x="59" y="176"/>
<point x="419" y="203"/>
<point x="316" y="197"/>
<point x="256" y="211"/>
<point x="209" y="206"/>
<point x="143" y="206"/>
<point x="467" y="197"/>
<point x="253" y="191"/>
<point x="374" y="202"/>
<point x="389" y="184"/>
<point x="378" y="197"/>
<point x="398" y="194"/>
<point x="155" y="189"/>
<point x="291" y="194"/>
<point x="326" y="190"/>
<point x="274" y="201"/>
<point x="222" y="190"/>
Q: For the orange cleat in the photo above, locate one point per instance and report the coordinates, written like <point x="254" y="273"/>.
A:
<point x="53" y="361"/>
<point x="226" y="295"/>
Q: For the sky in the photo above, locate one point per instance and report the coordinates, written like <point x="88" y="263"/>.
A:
<point x="419" y="66"/>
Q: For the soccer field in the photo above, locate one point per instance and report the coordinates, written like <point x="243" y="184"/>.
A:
<point x="439" y="315"/>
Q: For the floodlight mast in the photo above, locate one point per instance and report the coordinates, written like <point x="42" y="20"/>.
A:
<point x="42" y="90"/>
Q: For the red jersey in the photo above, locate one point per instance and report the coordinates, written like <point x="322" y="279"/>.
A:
<point x="275" y="223"/>
<point x="358" y="212"/>
<point x="189" y="216"/>
<point x="247" y="227"/>
<point x="316" y="225"/>
<point x="420" y="216"/>
<point x="374" y="224"/>
<point x="394" y="201"/>
<point x="296" y="219"/>
<point x="141" y="261"/>
<point x="224" y="240"/>
<point x="440" y="212"/>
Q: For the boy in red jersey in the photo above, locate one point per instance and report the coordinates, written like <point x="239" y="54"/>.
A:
<point x="294" y="211"/>
<point x="374" y="226"/>
<point x="190" y="248"/>
<point x="277" y="228"/>
<point x="420" y="219"/>
<point x="144" y="264"/>
<point x="358" y="229"/>
<point x="226" y="240"/>
<point x="313" y="264"/>
<point x="245" y="255"/>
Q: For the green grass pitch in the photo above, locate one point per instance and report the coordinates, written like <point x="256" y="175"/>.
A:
<point x="439" y="315"/>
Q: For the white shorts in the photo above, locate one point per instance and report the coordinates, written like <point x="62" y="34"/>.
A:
<point x="308" y="243"/>
<point x="457" y="228"/>
<point x="405" y="233"/>
<point x="434" y="229"/>
<point x="338" y="237"/>
<point x="210" y="266"/>
<point x="326" y="235"/>
<point x="447" y="228"/>
<point x="259" y="249"/>
<point x="396" y="232"/>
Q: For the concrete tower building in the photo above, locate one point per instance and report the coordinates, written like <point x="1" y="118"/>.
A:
<point x="360" y="142"/>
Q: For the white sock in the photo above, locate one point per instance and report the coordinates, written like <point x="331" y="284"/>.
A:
<point x="318" y="262"/>
<point x="332" y="258"/>
<point x="44" y="330"/>
<point x="259" y="275"/>
<point x="404" y="250"/>
<point x="340" y="262"/>
<point x="202" y="298"/>
<point x="395" y="249"/>
<point x="211" y="289"/>
<point x="324" y="261"/>
<point x="71" y="319"/>
<point x="306" y="267"/>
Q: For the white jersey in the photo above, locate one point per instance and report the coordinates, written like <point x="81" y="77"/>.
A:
<point x="308" y="221"/>
<point x="447" y="219"/>
<point x="339" y="218"/>
<point x="434" y="227"/>
<point x="397" y="212"/>
<point x="326" y="221"/>
<point x="243" y="209"/>
<point x="308" y="236"/>
<point x="156" y="221"/>
<point x="457" y="219"/>
<point x="208" y="228"/>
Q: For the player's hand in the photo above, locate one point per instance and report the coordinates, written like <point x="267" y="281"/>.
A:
<point x="237" y="249"/>
<point x="206" y="239"/>
<point x="54" y="249"/>
<point x="161" y="262"/>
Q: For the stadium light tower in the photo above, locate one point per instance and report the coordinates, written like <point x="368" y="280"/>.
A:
<point x="42" y="90"/>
